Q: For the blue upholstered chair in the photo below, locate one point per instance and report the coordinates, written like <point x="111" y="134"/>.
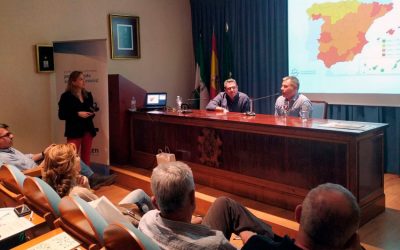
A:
<point x="11" y="181"/>
<point x="12" y="176"/>
<point x="81" y="221"/>
<point x="126" y="236"/>
<point x="319" y="109"/>
<point x="42" y="199"/>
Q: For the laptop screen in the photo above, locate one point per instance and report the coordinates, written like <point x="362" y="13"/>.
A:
<point x="156" y="100"/>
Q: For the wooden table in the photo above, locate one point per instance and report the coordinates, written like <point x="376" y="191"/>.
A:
<point x="270" y="159"/>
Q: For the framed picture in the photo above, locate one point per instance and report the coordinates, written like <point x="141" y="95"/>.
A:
<point x="44" y="58"/>
<point x="124" y="36"/>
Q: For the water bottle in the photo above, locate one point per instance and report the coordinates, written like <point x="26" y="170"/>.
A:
<point x="133" y="104"/>
<point x="179" y="103"/>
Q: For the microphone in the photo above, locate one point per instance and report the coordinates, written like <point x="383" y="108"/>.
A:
<point x="185" y="106"/>
<point x="251" y="112"/>
<point x="95" y="107"/>
<point x="197" y="99"/>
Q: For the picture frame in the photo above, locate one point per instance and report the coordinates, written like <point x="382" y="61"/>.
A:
<point x="44" y="58"/>
<point x="124" y="36"/>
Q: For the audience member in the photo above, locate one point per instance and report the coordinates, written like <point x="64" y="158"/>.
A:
<point x="61" y="168"/>
<point x="170" y="224"/>
<point x="329" y="218"/>
<point x="10" y="155"/>
<point x="291" y="101"/>
<point x="231" y="100"/>
<point x="77" y="108"/>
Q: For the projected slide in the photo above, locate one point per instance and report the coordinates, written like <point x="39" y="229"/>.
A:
<point x="347" y="46"/>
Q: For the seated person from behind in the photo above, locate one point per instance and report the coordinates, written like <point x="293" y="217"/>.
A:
<point x="231" y="100"/>
<point x="170" y="224"/>
<point x="61" y="168"/>
<point x="12" y="156"/>
<point x="291" y="99"/>
<point x="329" y="218"/>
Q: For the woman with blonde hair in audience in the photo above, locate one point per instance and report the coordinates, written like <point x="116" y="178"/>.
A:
<point x="61" y="166"/>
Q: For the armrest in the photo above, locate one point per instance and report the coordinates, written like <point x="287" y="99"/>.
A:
<point x="34" y="172"/>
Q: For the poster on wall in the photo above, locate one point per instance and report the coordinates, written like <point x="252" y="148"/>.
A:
<point x="90" y="57"/>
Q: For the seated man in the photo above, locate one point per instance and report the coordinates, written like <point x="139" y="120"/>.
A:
<point x="170" y="224"/>
<point x="12" y="156"/>
<point x="231" y="100"/>
<point x="291" y="100"/>
<point x="329" y="219"/>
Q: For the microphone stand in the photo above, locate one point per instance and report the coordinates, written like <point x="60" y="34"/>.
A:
<point x="251" y="112"/>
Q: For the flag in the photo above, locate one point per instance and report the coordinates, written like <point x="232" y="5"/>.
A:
<point x="200" y="93"/>
<point x="227" y="57"/>
<point x="214" y="68"/>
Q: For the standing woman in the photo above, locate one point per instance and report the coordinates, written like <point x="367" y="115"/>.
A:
<point x="76" y="108"/>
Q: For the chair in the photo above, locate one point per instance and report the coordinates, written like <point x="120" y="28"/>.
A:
<point x="81" y="221"/>
<point x="11" y="179"/>
<point x="42" y="198"/>
<point x="319" y="109"/>
<point x="125" y="236"/>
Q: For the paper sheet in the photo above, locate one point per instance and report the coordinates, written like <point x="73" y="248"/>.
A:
<point x="11" y="224"/>
<point x="340" y="125"/>
<point x="108" y="210"/>
<point x="62" y="241"/>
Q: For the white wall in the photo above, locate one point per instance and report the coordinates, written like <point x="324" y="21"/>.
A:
<point x="28" y="101"/>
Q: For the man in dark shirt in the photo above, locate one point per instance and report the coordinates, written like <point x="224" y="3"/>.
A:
<point x="230" y="100"/>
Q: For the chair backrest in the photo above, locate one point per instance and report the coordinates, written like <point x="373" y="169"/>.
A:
<point x="12" y="178"/>
<point x="125" y="236"/>
<point x="11" y="181"/>
<point x="42" y="198"/>
<point x="82" y="221"/>
<point x="319" y="109"/>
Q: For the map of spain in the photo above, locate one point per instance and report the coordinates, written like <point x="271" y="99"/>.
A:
<point x="344" y="27"/>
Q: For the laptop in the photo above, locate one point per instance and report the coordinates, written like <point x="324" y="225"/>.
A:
<point x="155" y="101"/>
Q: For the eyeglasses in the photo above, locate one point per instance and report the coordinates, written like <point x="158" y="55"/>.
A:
<point x="8" y="134"/>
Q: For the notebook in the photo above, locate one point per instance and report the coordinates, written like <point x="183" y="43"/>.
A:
<point x="155" y="101"/>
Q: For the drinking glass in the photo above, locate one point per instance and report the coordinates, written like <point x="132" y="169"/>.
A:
<point x="304" y="112"/>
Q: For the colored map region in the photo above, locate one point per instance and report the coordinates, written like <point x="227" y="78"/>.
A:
<point x="343" y="29"/>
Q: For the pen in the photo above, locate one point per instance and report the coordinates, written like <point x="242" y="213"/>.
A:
<point x="30" y="217"/>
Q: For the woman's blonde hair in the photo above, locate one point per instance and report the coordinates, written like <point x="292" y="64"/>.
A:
<point x="59" y="167"/>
